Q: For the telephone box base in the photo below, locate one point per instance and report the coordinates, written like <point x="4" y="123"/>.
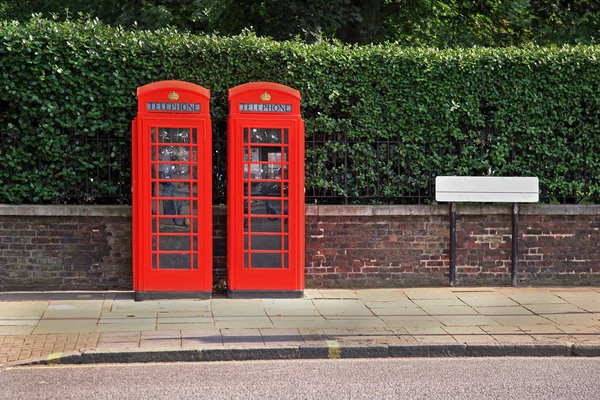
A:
<point x="141" y="296"/>
<point x="265" y="294"/>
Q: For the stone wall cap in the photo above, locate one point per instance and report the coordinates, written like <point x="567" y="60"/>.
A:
<point x="66" y="210"/>
<point x="319" y="210"/>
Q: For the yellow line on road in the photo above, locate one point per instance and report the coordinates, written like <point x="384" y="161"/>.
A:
<point x="54" y="358"/>
<point x="334" y="350"/>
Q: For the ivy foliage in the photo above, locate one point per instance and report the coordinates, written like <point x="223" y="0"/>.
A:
<point x="381" y="120"/>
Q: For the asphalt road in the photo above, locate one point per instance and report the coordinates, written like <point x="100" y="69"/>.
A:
<point x="465" y="378"/>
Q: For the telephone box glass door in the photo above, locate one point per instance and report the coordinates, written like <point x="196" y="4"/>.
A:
<point x="265" y="174"/>
<point x="174" y="205"/>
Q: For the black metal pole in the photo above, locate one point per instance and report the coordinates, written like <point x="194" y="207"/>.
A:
<point x="452" y="245"/>
<point x="515" y="244"/>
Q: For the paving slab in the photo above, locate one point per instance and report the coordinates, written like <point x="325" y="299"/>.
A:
<point x="410" y="321"/>
<point x="241" y="337"/>
<point x="16" y="321"/>
<point x="339" y="294"/>
<point x="198" y="338"/>
<point x="240" y="322"/>
<point x="554" y="308"/>
<point x="300" y="322"/>
<point x="16" y="330"/>
<point x="504" y="310"/>
<point x="182" y="326"/>
<point x="535" y="297"/>
<point x="356" y="322"/>
<point x="466" y="320"/>
<point x="449" y="310"/>
<point x="348" y="307"/>
<point x="386" y="295"/>
<point x="429" y="293"/>
<point x="290" y="308"/>
<point x="521" y="320"/>
<point x="126" y="319"/>
<point x="394" y="308"/>
<point x="65" y="326"/>
<point x="281" y="337"/>
<point x="325" y="323"/>
<point x="479" y="299"/>
<point x="125" y="327"/>
<point x="13" y="309"/>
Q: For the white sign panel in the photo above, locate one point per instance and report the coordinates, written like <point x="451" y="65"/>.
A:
<point x="487" y="189"/>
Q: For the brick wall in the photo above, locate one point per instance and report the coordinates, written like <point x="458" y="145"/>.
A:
<point x="65" y="248"/>
<point x="89" y="247"/>
<point x="409" y="245"/>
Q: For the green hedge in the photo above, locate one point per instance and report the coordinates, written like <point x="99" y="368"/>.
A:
<point x="381" y="121"/>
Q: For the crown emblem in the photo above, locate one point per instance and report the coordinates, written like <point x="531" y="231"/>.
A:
<point x="173" y="96"/>
<point x="265" y="96"/>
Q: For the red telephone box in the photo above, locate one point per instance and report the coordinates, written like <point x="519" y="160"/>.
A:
<point x="265" y="203"/>
<point x="172" y="191"/>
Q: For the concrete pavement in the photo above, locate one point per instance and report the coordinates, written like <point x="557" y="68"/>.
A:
<point x="81" y="327"/>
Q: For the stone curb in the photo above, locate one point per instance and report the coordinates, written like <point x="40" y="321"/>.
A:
<point x="520" y="350"/>
<point x="330" y="351"/>
<point x="586" y="350"/>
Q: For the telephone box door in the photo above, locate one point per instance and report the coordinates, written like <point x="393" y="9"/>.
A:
<point x="172" y="192"/>
<point x="266" y="193"/>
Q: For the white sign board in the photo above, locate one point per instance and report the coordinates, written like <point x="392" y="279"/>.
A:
<point x="487" y="189"/>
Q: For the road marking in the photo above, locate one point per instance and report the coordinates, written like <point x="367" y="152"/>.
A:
<point x="334" y="350"/>
<point x="54" y="358"/>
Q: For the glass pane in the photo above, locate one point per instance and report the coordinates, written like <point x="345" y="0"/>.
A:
<point x="194" y="243"/>
<point x="285" y="242"/>
<point x="271" y="242"/>
<point x="285" y="136"/>
<point x="245" y="260"/>
<point x="265" y="260"/>
<point x="152" y="135"/>
<point x="174" y="261"/>
<point x="245" y="135"/>
<point x="285" y="260"/>
<point x="274" y="171"/>
<point x="173" y="171"/>
<point x="195" y="260"/>
<point x="153" y="243"/>
<point x="174" y="243"/>
<point x="265" y="225"/>
<point x="257" y="189"/>
<point x="174" y="135"/>
<point x="184" y="207"/>
<point x="174" y="225"/>
<point x="246" y="240"/>
<point x="274" y="207"/>
<point x="174" y="207"/>
<point x="274" y="189"/>
<point x="257" y="207"/>
<point x="265" y="135"/>
<point x="194" y="136"/>
<point x="173" y="153"/>
<point x="154" y="261"/>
